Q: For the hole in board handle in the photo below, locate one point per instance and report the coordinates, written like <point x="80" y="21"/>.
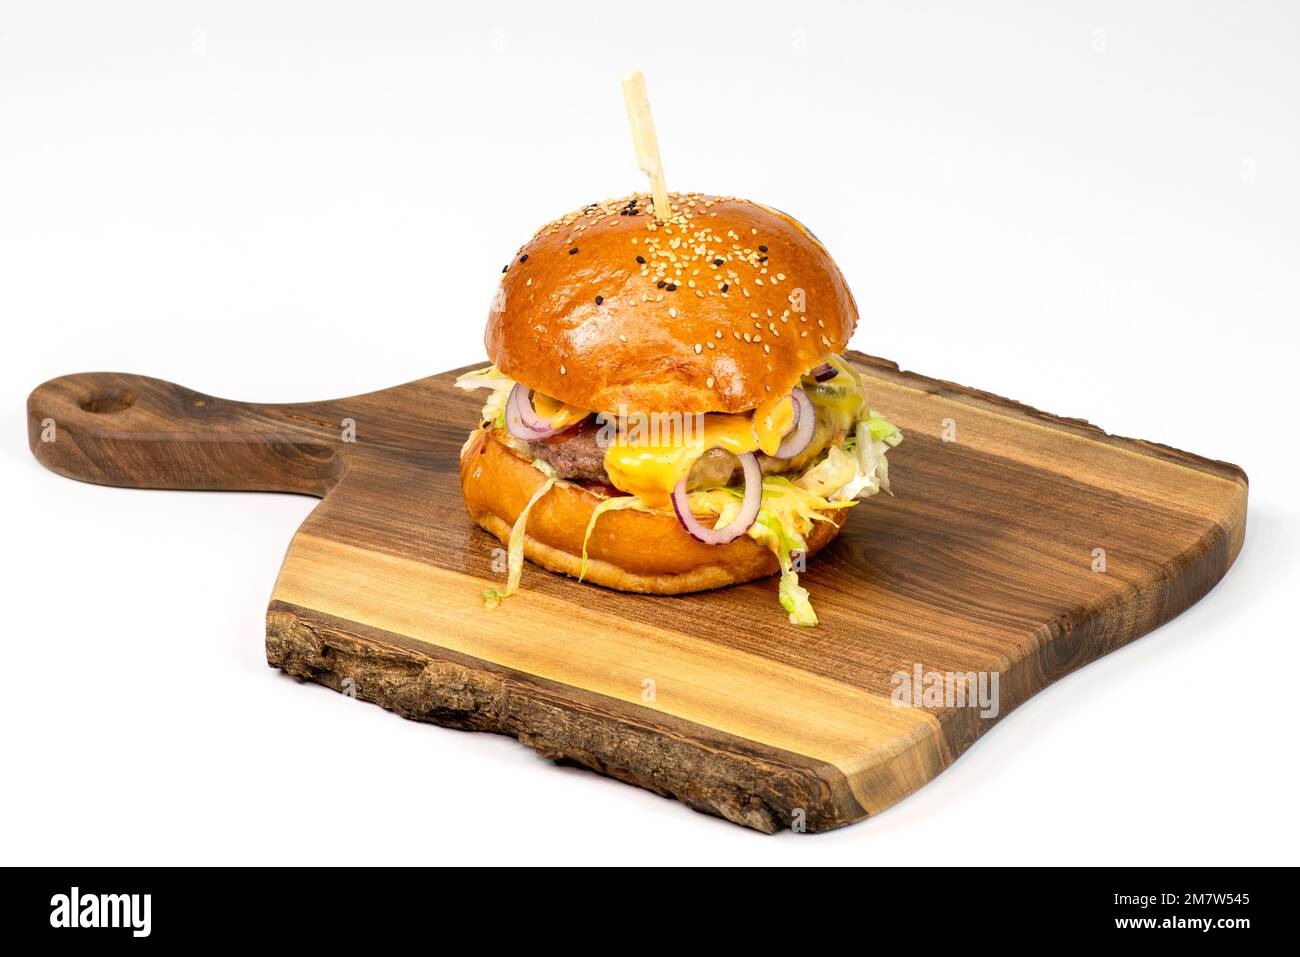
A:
<point x="107" y="403"/>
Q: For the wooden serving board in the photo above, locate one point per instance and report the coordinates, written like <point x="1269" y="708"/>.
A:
<point x="984" y="561"/>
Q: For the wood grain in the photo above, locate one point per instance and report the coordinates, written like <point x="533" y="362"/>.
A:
<point x="981" y="562"/>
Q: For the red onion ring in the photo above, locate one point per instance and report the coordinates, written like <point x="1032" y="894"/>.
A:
<point x="744" y="519"/>
<point x="527" y="411"/>
<point x="522" y="419"/>
<point x="824" y="372"/>
<point x="801" y="432"/>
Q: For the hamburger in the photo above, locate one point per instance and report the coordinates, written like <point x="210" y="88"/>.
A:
<point x="668" y="409"/>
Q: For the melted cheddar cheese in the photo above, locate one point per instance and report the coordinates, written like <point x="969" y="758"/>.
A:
<point x="649" y="466"/>
<point x="560" y="414"/>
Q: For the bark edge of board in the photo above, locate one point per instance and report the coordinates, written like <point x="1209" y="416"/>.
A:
<point x="707" y="770"/>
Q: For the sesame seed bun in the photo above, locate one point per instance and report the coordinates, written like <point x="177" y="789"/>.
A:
<point x="718" y="309"/>
<point x="628" y="550"/>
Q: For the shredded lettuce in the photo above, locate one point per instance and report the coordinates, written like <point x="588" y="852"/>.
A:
<point x="490" y="377"/>
<point x="608" y="505"/>
<point x="872" y="437"/>
<point x="883" y="431"/>
<point x="794" y="599"/>
<point x="787" y="514"/>
<point x="785" y="539"/>
<point x="515" y="544"/>
<point x="831" y="474"/>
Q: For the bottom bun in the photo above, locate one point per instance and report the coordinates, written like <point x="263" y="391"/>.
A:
<point x="629" y="550"/>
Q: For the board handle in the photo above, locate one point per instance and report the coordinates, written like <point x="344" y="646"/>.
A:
<point x="111" y="428"/>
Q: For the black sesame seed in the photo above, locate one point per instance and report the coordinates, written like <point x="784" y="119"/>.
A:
<point x="762" y="259"/>
<point x="717" y="262"/>
<point x="671" y="287"/>
<point x="725" y="287"/>
<point x="660" y="284"/>
<point x="762" y="249"/>
<point x="599" y="300"/>
<point x="641" y="260"/>
<point x="505" y="268"/>
<point x="524" y="258"/>
<point x="573" y="250"/>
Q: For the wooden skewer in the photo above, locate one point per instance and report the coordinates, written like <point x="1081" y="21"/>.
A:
<point x="647" y="144"/>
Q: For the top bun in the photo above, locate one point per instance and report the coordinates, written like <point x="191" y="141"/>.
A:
<point x="718" y="309"/>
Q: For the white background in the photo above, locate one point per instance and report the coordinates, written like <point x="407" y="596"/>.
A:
<point x="1092" y="210"/>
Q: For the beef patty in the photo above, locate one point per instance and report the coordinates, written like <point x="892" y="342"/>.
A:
<point x="575" y="455"/>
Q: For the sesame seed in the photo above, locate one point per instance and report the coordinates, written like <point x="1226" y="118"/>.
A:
<point x="709" y="382"/>
<point x="641" y="260"/>
<point x="573" y="250"/>
<point x="505" y="268"/>
<point x="762" y="249"/>
<point x="599" y="300"/>
<point x="725" y="287"/>
<point x="698" y="348"/>
<point x="671" y="287"/>
<point x="563" y="371"/>
<point x="672" y="313"/>
<point x="524" y="258"/>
